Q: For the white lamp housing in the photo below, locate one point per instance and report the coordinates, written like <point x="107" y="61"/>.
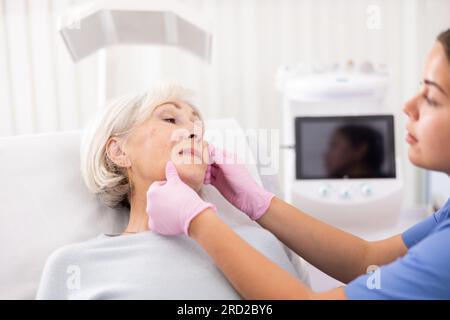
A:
<point x="95" y="25"/>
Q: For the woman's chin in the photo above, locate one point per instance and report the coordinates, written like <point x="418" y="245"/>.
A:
<point x="192" y="174"/>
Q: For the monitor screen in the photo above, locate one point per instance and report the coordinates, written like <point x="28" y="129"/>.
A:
<point x="339" y="147"/>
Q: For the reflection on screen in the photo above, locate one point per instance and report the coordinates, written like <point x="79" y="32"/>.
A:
<point x="344" y="147"/>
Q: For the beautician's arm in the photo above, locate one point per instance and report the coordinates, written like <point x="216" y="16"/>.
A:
<point x="337" y="253"/>
<point x="253" y="275"/>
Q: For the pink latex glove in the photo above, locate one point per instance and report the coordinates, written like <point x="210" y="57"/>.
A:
<point x="172" y="204"/>
<point x="235" y="183"/>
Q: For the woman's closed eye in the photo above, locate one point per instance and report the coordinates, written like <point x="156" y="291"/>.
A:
<point x="175" y="121"/>
<point x="170" y="120"/>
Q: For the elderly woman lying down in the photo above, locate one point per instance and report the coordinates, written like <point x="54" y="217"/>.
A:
<point x="124" y="150"/>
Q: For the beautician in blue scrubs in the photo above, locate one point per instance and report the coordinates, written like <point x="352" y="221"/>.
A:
<point x="412" y="265"/>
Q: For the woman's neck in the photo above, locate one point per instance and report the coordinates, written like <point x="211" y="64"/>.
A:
<point x="138" y="215"/>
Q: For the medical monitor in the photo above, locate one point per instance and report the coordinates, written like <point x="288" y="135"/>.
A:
<point x="345" y="147"/>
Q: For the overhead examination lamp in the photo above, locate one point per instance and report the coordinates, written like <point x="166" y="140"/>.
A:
<point x="92" y="26"/>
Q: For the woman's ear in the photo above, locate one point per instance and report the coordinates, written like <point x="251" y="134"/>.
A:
<point x="116" y="154"/>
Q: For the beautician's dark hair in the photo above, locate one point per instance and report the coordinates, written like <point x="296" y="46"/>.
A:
<point x="444" y="39"/>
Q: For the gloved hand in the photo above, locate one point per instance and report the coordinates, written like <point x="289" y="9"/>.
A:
<point x="172" y="204"/>
<point x="235" y="183"/>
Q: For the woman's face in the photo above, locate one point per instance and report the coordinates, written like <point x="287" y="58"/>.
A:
<point x="174" y="132"/>
<point x="429" y="115"/>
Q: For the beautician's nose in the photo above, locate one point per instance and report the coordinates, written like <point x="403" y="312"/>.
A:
<point x="411" y="108"/>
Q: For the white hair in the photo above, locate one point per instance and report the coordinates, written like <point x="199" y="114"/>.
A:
<point x="102" y="176"/>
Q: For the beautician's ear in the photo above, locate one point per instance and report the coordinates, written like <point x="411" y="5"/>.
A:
<point x="116" y="154"/>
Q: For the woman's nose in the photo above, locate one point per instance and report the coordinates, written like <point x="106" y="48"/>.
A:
<point x="188" y="131"/>
<point x="184" y="134"/>
<point x="195" y="132"/>
<point x="193" y="136"/>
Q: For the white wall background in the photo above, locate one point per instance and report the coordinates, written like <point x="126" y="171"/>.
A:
<point x="42" y="90"/>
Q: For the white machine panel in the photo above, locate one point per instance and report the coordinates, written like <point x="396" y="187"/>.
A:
<point x="339" y="158"/>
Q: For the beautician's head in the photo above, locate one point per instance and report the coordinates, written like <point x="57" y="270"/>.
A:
<point x="127" y="146"/>
<point x="429" y="111"/>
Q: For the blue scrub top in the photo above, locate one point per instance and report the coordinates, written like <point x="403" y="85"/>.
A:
<point x="423" y="273"/>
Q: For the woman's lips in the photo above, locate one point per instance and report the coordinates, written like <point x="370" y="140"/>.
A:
<point x="411" y="139"/>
